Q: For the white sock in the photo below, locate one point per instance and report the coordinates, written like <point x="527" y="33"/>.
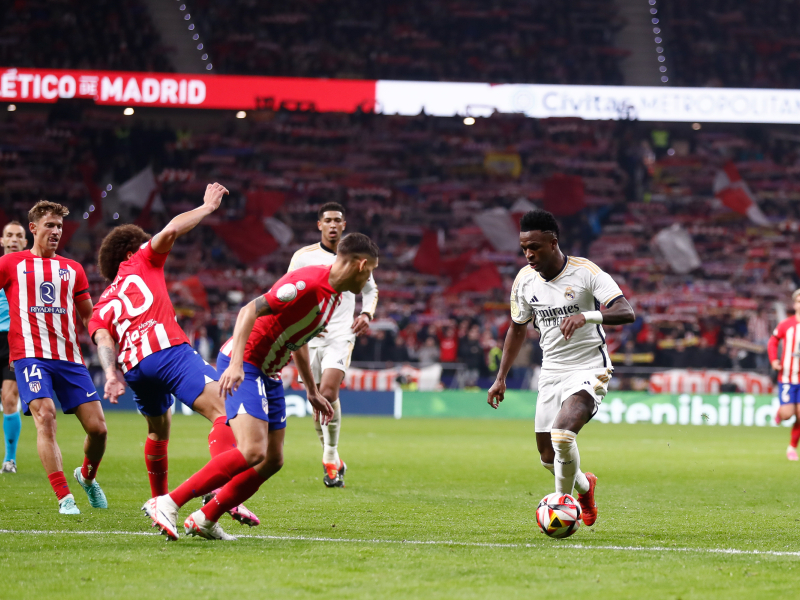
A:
<point x="568" y="460"/>
<point x="330" y="433"/>
<point x="581" y="483"/>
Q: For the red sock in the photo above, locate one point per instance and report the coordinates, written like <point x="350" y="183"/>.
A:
<point x="236" y="491"/>
<point x="59" y="483"/>
<point x="217" y="472"/>
<point x="89" y="468"/>
<point x="157" y="468"/>
<point x="220" y="438"/>
<point x="795" y="435"/>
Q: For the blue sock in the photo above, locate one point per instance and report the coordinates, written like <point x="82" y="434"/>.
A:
<point x="12" y="425"/>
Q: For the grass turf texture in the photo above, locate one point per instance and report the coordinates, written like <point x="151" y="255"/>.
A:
<point x="462" y="481"/>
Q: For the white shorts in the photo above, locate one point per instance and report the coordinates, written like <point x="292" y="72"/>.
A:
<point x="333" y="355"/>
<point x="554" y="388"/>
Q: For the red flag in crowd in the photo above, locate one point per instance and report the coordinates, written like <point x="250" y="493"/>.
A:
<point x="734" y="193"/>
<point x="428" y="258"/>
<point x="247" y="239"/>
<point x="564" y="194"/>
<point x="481" y="279"/>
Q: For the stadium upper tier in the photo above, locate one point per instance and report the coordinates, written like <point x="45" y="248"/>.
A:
<point x="401" y="176"/>
<point x="732" y="44"/>
<point x="63" y="34"/>
<point x="431" y="40"/>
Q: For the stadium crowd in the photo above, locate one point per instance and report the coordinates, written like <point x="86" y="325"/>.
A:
<point x="731" y="44"/>
<point x="507" y="41"/>
<point x="407" y="179"/>
<point x="68" y="34"/>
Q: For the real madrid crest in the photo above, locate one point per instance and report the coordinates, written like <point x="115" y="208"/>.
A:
<point x="569" y="294"/>
<point x="514" y="309"/>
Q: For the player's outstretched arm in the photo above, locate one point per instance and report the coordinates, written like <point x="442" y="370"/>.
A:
<point x="514" y="338"/>
<point x="184" y="223"/>
<point x="619" y="313"/>
<point x="233" y="376"/>
<point x="323" y="411"/>
<point x="106" y="351"/>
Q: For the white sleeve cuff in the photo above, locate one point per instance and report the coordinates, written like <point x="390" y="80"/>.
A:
<point x="594" y="317"/>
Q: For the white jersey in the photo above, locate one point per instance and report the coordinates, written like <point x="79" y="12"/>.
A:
<point x="341" y="323"/>
<point x="581" y="286"/>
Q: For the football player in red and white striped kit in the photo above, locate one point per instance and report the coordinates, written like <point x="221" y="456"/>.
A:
<point x="788" y="367"/>
<point x="46" y="295"/>
<point x="135" y="313"/>
<point x="269" y="331"/>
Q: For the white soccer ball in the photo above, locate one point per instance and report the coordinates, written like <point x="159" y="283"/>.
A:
<point x="558" y="515"/>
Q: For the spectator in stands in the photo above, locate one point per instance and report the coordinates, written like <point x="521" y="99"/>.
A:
<point x="448" y="344"/>
<point x="470" y="353"/>
<point x="428" y="354"/>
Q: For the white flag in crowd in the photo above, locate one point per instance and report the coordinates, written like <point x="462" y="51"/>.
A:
<point x="676" y="247"/>
<point x="499" y="228"/>
<point x="138" y="189"/>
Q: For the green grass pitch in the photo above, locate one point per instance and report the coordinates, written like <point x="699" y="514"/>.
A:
<point x="432" y="509"/>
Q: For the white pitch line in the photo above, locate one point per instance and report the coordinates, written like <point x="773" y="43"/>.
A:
<point x="557" y="546"/>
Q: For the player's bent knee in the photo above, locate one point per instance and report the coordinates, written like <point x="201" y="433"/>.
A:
<point x="253" y="454"/>
<point x="563" y="440"/>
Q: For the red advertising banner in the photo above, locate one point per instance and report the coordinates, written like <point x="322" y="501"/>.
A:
<point x="187" y="90"/>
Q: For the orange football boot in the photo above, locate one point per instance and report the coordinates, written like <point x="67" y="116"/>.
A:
<point x="588" y="505"/>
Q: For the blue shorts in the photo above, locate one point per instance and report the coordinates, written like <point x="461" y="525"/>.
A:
<point x="258" y="396"/>
<point x="178" y="370"/>
<point x="69" y="382"/>
<point x="789" y="393"/>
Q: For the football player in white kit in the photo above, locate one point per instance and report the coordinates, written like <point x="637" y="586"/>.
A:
<point x="562" y="296"/>
<point x="330" y="352"/>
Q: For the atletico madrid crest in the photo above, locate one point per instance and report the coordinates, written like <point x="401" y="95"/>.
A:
<point x="35" y="386"/>
<point x="64" y="274"/>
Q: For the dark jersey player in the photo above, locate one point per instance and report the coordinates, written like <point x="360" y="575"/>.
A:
<point x="13" y="240"/>
<point x="46" y="294"/>
<point x="269" y="331"/>
<point x="135" y="314"/>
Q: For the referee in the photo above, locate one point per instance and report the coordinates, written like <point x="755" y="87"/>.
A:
<point x="13" y="240"/>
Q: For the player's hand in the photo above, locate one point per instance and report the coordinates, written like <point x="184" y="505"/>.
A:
<point x="776" y="364"/>
<point x="214" y="194"/>
<point x="361" y="324"/>
<point x="497" y="393"/>
<point x="320" y="336"/>
<point x="230" y="381"/>
<point x="323" y="411"/>
<point x="571" y="324"/>
<point x="114" y="388"/>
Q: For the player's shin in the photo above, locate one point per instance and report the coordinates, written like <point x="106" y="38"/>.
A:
<point x="330" y="453"/>
<point x="567" y="463"/>
<point x="157" y="462"/>
<point x="233" y="493"/>
<point x="217" y="472"/>
<point x="12" y="425"/>
<point x="220" y="438"/>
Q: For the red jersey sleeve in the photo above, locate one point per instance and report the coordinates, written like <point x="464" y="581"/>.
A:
<point x="81" y="292"/>
<point x="777" y="335"/>
<point x="95" y="323"/>
<point x="4" y="276"/>
<point x="151" y="257"/>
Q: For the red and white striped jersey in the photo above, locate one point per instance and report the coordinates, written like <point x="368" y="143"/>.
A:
<point x="137" y="311"/>
<point x="787" y="330"/>
<point x="302" y="303"/>
<point x="42" y="293"/>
